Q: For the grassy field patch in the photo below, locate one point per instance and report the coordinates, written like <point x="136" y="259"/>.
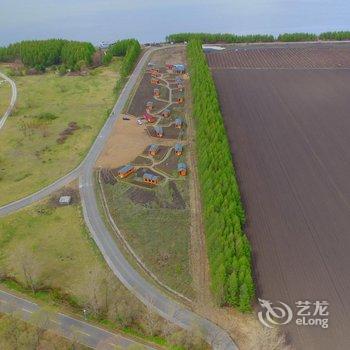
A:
<point x="5" y="96"/>
<point x="32" y="154"/>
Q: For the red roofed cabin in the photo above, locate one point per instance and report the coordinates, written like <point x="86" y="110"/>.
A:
<point x="151" y="179"/>
<point x="178" y="149"/>
<point x="155" y="81"/>
<point x="126" y="171"/>
<point x="182" y="169"/>
<point x="169" y="66"/>
<point x="180" y="100"/>
<point x="149" y="118"/>
<point x="153" y="150"/>
<point x="156" y="93"/>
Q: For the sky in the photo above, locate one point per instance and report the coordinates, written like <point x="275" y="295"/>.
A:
<point x="108" y="20"/>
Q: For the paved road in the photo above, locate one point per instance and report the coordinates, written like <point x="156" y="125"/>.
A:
<point x="67" y="326"/>
<point x="13" y="99"/>
<point x="143" y="290"/>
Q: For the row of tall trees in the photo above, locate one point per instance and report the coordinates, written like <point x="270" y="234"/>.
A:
<point x="45" y="53"/>
<point x="228" y="248"/>
<point x="130" y="49"/>
<point x="253" y="38"/>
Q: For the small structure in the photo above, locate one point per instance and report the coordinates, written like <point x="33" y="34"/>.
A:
<point x="169" y="66"/>
<point x="180" y="87"/>
<point x="153" y="150"/>
<point x="159" y="131"/>
<point x="155" y="81"/>
<point x="179" y="68"/>
<point x="126" y="171"/>
<point x="182" y="169"/>
<point x="178" y="80"/>
<point x="149" y="118"/>
<point x="178" y="123"/>
<point x="178" y="149"/>
<point x="149" y="105"/>
<point x="166" y="113"/>
<point x="65" y="200"/>
<point x="156" y="92"/>
<point x="150" y="178"/>
<point x="180" y="100"/>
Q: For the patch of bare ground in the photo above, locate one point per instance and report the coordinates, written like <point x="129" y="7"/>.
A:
<point x="170" y="132"/>
<point x="127" y="141"/>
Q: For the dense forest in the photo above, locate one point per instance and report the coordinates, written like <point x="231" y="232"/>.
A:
<point x="41" y="54"/>
<point x="253" y="38"/>
<point x="229" y="250"/>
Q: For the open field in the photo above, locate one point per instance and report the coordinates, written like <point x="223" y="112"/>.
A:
<point x="37" y="143"/>
<point x="289" y="134"/>
<point x="5" y="96"/>
<point x="278" y="56"/>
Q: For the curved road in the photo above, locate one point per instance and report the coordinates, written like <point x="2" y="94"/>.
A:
<point x="67" y="326"/>
<point x="13" y="99"/>
<point x="142" y="289"/>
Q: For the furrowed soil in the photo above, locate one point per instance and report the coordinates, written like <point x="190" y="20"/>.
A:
<point x="289" y="133"/>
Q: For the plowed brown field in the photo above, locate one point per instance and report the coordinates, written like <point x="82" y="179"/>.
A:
<point x="289" y="132"/>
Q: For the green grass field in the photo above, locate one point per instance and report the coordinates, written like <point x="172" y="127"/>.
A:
<point x="30" y="156"/>
<point x="158" y="233"/>
<point x="5" y="97"/>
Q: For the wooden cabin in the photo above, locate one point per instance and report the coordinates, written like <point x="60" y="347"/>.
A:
<point x="169" y="66"/>
<point x="156" y="93"/>
<point x="159" y="131"/>
<point x="149" y="105"/>
<point x="178" y="149"/>
<point x="182" y="169"/>
<point x="150" y="179"/>
<point x="155" y="81"/>
<point x="166" y="113"/>
<point x="153" y="150"/>
<point x="180" y="100"/>
<point x="126" y="171"/>
<point x="149" y="118"/>
<point x="178" y="123"/>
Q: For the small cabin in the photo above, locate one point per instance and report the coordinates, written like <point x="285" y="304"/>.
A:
<point x="150" y="179"/>
<point x="178" y="123"/>
<point x="180" y="87"/>
<point x="149" y="105"/>
<point x="153" y="150"/>
<point x="169" y="66"/>
<point x="126" y="171"/>
<point x="156" y="92"/>
<point x="149" y="118"/>
<point x="155" y="81"/>
<point x="178" y="149"/>
<point x="159" y="131"/>
<point x="178" y="80"/>
<point x="180" y="100"/>
<point x="182" y="169"/>
<point x="166" y="113"/>
<point x="179" y="68"/>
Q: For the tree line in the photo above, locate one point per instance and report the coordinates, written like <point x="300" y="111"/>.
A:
<point x="41" y="54"/>
<point x="228" y="248"/>
<point x="254" y="38"/>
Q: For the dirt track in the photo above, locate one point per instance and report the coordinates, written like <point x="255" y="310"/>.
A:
<point x="289" y="132"/>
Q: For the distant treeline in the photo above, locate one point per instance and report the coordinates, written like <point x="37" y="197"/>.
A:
<point x="228" y="248"/>
<point x="255" y="38"/>
<point x="41" y="54"/>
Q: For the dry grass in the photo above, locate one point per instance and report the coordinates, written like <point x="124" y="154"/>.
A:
<point x="5" y="97"/>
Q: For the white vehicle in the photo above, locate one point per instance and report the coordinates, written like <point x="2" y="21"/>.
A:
<point x="139" y="121"/>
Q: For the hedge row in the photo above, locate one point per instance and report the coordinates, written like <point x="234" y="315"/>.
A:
<point x="45" y="53"/>
<point x="130" y="49"/>
<point x="228" y="248"/>
<point x="253" y="38"/>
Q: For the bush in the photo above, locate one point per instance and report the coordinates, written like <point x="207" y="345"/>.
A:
<point x="228" y="248"/>
<point x="343" y="35"/>
<point x="297" y="37"/>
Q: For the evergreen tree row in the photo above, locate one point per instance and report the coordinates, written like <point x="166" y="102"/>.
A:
<point x="45" y="53"/>
<point x="228" y="248"/>
<point x="130" y="49"/>
<point x="253" y="38"/>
